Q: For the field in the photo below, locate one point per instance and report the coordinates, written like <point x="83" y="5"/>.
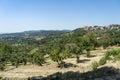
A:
<point x="50" y="67"/>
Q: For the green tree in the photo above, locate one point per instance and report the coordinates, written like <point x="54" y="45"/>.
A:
<point x="89" y="43"/>
<point x="58" y="54"/>
<point x="38" y="59"/>
<point x="36" y="56"/>
<point x="5" y="54"/>
<point x="76" y="51"/>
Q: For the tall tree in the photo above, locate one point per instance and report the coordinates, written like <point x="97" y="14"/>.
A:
<point x="90" y="42"/>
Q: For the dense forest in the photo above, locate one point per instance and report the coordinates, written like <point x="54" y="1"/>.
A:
<point x="32" y="47"/>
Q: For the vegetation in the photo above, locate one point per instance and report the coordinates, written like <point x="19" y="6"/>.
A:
<point x="94" y="65"/>
<point x="31" y="47"/>
<point x="102" y="61"/>
<point x="113" y="55"/>
<point x="110" y="55"/>
<point x="89" y="42"/>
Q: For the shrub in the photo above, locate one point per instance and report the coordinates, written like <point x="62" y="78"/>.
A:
<point x="113" y="55"/>
<point x="102" y="61"/>
<point x="94" y="65"/>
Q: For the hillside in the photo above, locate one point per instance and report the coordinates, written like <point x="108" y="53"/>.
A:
<point x="50" y="68"/>
<point x="82" y="51"/>
<point x="29" y="35"/>
<point x="34" y="33"/>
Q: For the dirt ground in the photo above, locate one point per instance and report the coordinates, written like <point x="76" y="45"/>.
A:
<point x="51" y="67"/>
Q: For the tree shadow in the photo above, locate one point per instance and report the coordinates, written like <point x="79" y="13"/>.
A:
<point x="84" y="60"/>
<point x="92" y="56"/>
<point x="66" y="65"/>
<point x="70" y="75"/>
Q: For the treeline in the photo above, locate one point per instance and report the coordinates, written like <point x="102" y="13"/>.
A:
<point x="58" y="48"/>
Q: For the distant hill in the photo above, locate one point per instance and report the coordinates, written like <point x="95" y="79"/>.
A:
<point x="34" y="33"/>
<point x="29" y="35"/>
<point x="45" y="36"/>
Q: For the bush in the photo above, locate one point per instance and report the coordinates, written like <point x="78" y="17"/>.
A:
<point x="94" y="65"/>
<point x="113" y="54"/>
<point x="102" y="61"/>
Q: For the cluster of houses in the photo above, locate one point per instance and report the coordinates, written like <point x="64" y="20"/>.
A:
<point x="113" y="26"/>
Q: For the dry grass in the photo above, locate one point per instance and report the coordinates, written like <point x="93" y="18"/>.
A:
<point x="51" y="67"/>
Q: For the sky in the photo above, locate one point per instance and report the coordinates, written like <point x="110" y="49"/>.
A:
<point x="23" y="15"/>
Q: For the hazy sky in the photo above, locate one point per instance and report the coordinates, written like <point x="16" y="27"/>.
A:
<point x="21" y="15"/>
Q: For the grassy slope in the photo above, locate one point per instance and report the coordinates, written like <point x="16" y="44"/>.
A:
<point x="50" y="66"/>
